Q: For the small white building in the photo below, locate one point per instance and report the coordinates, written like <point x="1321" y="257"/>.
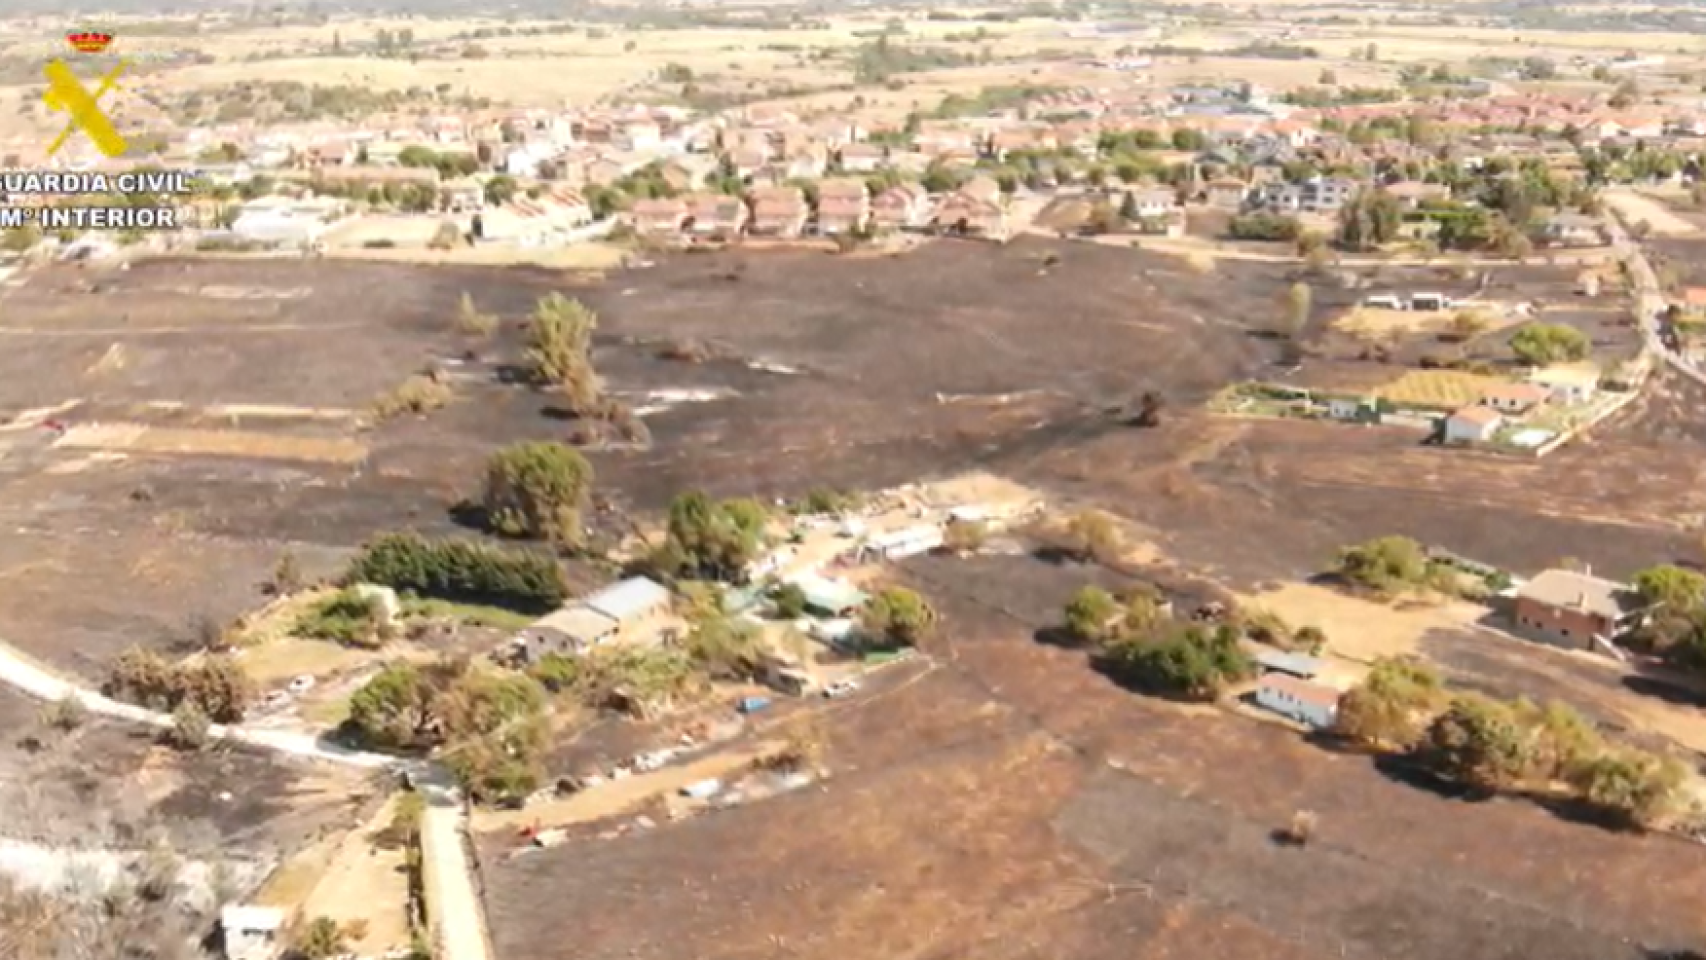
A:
<point x="1474" y="424"/>
<point x="252" y="933"/>
<point x="906" y="542"/>
<point x="1569" y="383"/>
<point x="1313" y="704"/>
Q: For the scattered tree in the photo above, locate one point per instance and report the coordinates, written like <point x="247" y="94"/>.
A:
<point x="1091" y="536"/>
<point x="470" y="322"/>
<point x="559" y="350"/>
<point x="1298" y="301"/>
<point x="1633" y="788"/>
<point x="1192" y="661"/>
<point x="1478" y="742"/>
<point x="1393" y="705"/>
<point x="1469" y="324"/>
<point x="712" y="539"/>
<point x="190" y="727"/>
<point x="65" y="714"/>
<point x="898" y="617"/>
<point x="1091" y="613"/>
<point x="1384" y="565"/>
<point x="537" y="490"/>
<point x="320" y="939"/>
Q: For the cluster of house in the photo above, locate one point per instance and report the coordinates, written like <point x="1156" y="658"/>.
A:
<point x="1572" y="609"/>
<point x="842" y="206"/>
<point x="1508" y="404"/>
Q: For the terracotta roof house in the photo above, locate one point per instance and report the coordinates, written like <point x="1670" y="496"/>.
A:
<point x="1571" y="609"/>
<point x="905" y="206"/>
<point x="660" y="217"/>
<point x="843" y="206"/>
<point x="863" y="157"/>
<point x="778" y="212"/>
<point x="1517" y="398"/>
<point x="1473" y="424"/>
<point x="716" y="216"/>
<point x="963" y="214"/>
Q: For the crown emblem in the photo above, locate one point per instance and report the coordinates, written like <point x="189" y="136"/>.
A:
<point x="89" y="41"/>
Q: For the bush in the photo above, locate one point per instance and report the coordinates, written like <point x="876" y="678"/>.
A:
<point x="537" y="490"/>
<point x="461" y="570"/>
<point x="216" y="685"/>
<point x="1393" y="705"/>
<point x="898" y="617"/>
<point x="421" y="393"/>
<point x="65" y="714"/>
<point x="1264" y="226"/>
<point x="1631" y="787"/>
<point x="1189" y="661"/>
<point x="1385" y="564"/>
<point x="344" y="617"/>
<point x="470" y="322"/>
<point x="1478" y="742"/>
<point x="790" y="601"/>
<point x="556" y="672"/>
<point x="190" y="727"/>
<point x="1539" y="344"/>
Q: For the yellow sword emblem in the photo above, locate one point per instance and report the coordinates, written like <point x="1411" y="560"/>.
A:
<point x="67" y="94"/>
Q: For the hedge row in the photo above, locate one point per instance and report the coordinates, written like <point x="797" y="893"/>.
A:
<point x="462" y="570"/>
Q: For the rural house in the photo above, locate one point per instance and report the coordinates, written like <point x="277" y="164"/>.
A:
<point x="1570" y="609"/>
<point x="1568" y="383"/>
<point x="1313" y="704"/>
<point x="863" y="157"/>
<point x="716" y="216"/>
<point x="964" y="215"/>
<point x="1472" y="424"/>
<point x="778" y="211"/>
<point x="632" y="611"/>
<point x="904" y="206"/>
<point x="1515" y="398"/>
<point x="252" y="933"/>
<point x="843" y="206"/>
<point x="659" y="217"/>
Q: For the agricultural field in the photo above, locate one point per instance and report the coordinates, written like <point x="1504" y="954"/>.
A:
<point x="1441" y="389"/>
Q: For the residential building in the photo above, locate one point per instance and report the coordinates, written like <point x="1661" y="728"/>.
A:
<point x="965" y="215"/>
<point x="1568" y="383"/>
<point x="252" y="933"/>
<point x="903" y="543"/>
<point x="1153" y="203"/>
<point x="1515" y="398"/>
<point x="843" y="206"/>
<point x="1473" y="424"/>
<point x="863" y="157"/>
<point x="1354" y="409"/>
<point x="659" y="217"/>
<point x="1290" y="664"/>
<point x="778" y="211"/>
<point x="1312" y="704"/>
<point x="829" y="598"/>
<point x="1226" y="193"/>
<point x="1572" y="609"/>
<point x="631" y="611"/>
<point x="1572" y="230"/>
<point x="716" y="216"/>
<point x="904" y="206"/>
<point x="1411" y="194"/>
<point x="1315" y="195"/>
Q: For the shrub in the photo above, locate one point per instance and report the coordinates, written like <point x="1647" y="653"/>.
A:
<point x="461" y="570"/>
<point x="65" y="714"/>
<point x="191" y="728"/>
<point x="1393" y="704"/>
<point x="421" y="393"/>
<point x="1191" y="661"/>
<point x="344" y="617"/>
<point x="790" y="601"/>
<point x="1539" y="344"/>
<point x="898" y="617"/>
<point x="1384" y="564"/>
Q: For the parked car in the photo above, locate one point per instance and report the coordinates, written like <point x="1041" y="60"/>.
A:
<point x="840" y="688"/>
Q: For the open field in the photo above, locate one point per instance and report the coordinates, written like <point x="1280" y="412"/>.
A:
<point x="1437" y="388"/>
<point x="1635" y="208"/>
<point x="1014" y="804"/>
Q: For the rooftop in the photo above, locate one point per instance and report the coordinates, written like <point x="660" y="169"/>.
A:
<point x="1579" y="591"/>
<point x="1295" y="664"/>
<point x="627" y="598"/>
<point x="1480" y="416"/>
<point x="1303" y="691"/>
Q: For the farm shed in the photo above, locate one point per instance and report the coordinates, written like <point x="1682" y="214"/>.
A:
<point x="1309" y="703"/>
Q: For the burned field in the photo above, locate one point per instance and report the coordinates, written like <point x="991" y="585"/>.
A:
<point x="1013" y="803"/>
<point x="187" y="421"/>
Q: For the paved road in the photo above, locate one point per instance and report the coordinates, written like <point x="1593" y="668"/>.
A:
<point x="453" y="904"/>
<point x="1649" y="299"/>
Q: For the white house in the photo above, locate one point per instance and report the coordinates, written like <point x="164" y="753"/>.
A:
<point x="1568" y="383"/>
<point x="907" y="542"/>
<point x="252" y="933"/>
<point x="1314" y="704"/>
<point x="1474" y="424"/>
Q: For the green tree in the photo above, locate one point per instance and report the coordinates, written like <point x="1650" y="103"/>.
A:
<point x="1191" y="661"/>
<point x="1393" y="705"/>
<point x="1563" y="738"/>
<point x="1384" y="564"/>
<point x="559" y="350"/>
<point x="1540" y="344"/>
<point x="1090" y="613"/>
<point x="537" y="490"/>
<point x="1298" y="301"/>
<point x="790" y="601"/>
<point x="1479" y="742"/>
<point x="394" y="708"/>
<point x="1371" y="218"/>
<point x="898" y="617"/>
<point x="500" y="189"/>
<point x="712" y="539"/>
<point x="1634" y="788"/>
<point x="321" y="938"/>
<point x="461" y="570"/>
<point x="1671" y="588"/>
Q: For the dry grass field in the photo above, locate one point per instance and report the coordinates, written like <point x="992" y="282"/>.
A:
<point x="1437" y="388"/>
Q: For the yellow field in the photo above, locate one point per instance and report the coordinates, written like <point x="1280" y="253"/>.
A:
<point x="1437" y="388"/>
